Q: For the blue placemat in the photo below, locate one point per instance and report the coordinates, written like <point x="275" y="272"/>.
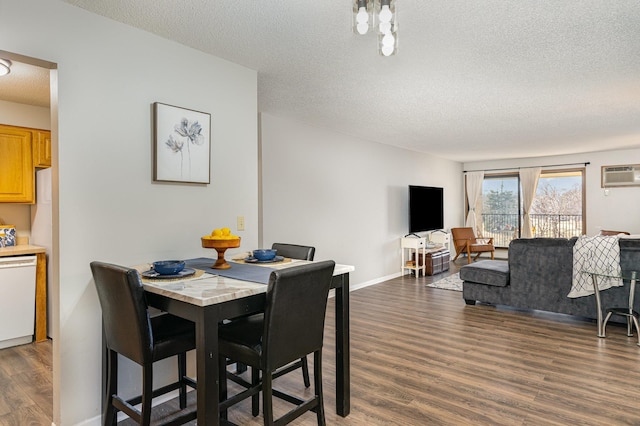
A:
<point x="239" y="271"/>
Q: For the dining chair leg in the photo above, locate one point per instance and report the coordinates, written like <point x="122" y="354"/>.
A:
<point x="111" y="388"/>
<point x="182" y="372"/>
<point x="305" y="371"/>
<point x="255" y="399"/>
<point x="317" y="382"/>
<point x="147" y="393"/>
<point x="267" y="398"/>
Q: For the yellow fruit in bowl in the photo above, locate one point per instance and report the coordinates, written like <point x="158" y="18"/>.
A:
<point x="221" y="234"/>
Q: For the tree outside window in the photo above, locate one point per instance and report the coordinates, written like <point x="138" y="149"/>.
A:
<point x="557" y="210"/>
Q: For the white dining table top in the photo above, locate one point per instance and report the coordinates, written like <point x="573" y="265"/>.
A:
<point x="209" y="289"/>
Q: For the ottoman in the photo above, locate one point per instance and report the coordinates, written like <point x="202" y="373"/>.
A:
<point x="484" y="276"/>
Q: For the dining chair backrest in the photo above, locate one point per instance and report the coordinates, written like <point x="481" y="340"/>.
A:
<point x="294" y="251"/>
<point x="295" y="312"/>
<point x="125" y="315"/>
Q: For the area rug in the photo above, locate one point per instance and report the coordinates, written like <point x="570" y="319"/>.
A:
<point x="452" y="282"/>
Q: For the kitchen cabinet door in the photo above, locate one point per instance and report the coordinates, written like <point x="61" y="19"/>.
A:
<point x="17" y="180"/>
<point x="41" y="148"/>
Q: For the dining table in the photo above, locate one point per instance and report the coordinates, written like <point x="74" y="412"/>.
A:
<point x="214" y="295"/>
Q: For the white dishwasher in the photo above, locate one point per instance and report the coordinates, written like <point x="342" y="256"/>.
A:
<point x="17" y="300"/>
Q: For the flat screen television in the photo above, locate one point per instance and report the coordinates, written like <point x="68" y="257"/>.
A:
<point x="426" y="208"/>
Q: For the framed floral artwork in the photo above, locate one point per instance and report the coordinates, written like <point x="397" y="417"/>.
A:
<point x="182" y="144"/>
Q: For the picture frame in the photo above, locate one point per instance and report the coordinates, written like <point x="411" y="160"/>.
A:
<point x="181" y="144"/>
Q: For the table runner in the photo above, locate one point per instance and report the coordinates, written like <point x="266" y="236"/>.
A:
<point x="239" y="271"/>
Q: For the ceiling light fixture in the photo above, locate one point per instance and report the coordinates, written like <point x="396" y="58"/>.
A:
<point x="5" y="67"/>
<point x="368" y="14"/>
<point x="362" y="16"/>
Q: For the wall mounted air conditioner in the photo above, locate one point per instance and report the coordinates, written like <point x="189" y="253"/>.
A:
<point x="623" y="175"/>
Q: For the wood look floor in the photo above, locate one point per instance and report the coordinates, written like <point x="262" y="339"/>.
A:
<point x="420" y="356"/>
<point x="25" y="385"/>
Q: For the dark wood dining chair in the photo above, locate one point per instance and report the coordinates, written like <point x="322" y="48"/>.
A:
<point x="131" y="331"/>
<point x="296" y="251"/>
<point x="292" y="251"/>
<point x="291" y="327"/>
<point x="465" y="241"/>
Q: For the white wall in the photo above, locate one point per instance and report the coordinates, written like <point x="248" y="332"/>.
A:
<point x="617" y="210"/>
<point x="109" y="209"/>
<point x="15" y="114"/>
<point x="345" y="196"/>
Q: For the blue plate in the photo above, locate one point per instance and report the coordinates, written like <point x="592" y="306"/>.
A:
<point x="186" y="272"/>
<point x="254" y="260"/>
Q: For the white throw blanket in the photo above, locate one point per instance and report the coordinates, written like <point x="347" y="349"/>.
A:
<point x="600" y="255"/>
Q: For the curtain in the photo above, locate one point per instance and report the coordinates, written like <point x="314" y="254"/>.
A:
<point x="529" y="181"/>
<point x="474" y="194"/>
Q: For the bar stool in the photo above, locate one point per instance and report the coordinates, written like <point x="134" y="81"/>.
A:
<point x="291" y="327"/>
<point x="131" y="332"/>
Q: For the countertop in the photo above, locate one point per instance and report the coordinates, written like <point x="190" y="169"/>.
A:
<point x="21" y="250"/>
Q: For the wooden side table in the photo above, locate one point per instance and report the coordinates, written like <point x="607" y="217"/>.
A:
<point x="415" y="246"/>
<point x="418" y="250"/>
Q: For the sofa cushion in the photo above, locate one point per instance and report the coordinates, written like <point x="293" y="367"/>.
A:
<point x="489" y="272"/>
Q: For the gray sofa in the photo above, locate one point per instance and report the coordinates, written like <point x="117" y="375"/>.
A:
<point x="538" y="275"/>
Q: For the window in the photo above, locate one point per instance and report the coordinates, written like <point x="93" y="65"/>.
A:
<point x="557" y="210"/>
<point x="501" y="206"/>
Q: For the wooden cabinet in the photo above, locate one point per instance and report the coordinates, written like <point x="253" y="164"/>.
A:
<point x="41" y="148"/>
<point x="17" y="174"/>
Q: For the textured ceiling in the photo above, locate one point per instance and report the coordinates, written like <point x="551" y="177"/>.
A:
<point x="25" y="84"/>
<point x="471" y="80"/>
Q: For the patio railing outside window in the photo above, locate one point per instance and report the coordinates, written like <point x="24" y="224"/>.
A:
<point x="504" y="227"/>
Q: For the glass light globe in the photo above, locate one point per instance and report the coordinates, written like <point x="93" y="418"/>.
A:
<point x="5" y="66"/>
<point x="362" y="16"/>
<point x="362" y="28"/>
<point x="387" y="50"/>
<point x="385" y="14"/>
<point x="385" y="27"/>
<point x="388" y="40"/>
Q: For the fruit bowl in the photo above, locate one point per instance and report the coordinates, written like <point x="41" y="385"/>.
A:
<point x="220" y="246"/>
